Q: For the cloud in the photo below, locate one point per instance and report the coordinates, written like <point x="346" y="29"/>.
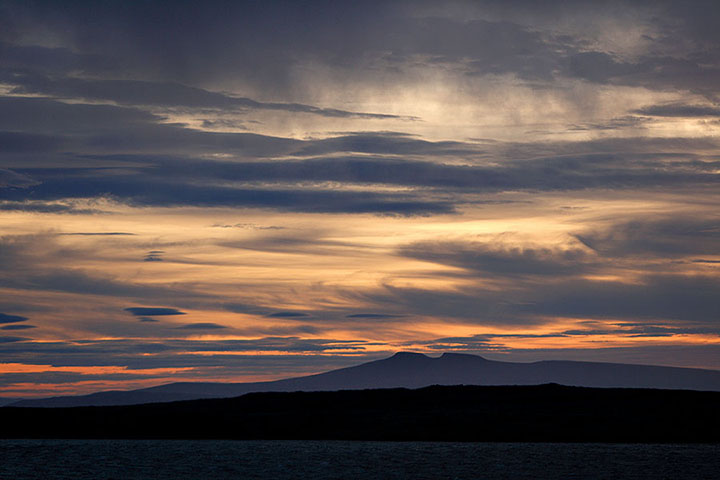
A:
<point x="153" y="311"/>
<point x="47" y="207"/>
<point x="147" y="44"/>
<point x="241" y="361"/>
<point x="20" y="142"/>
<point x="287" y="315"/>
<point x="34" y="263"/>
<point x="644" y="330"/>
<point x="677" y="298"/>
<point x="7" y="339"/>
<point x="681" y="298"/>
<point x="482" y="341"/>
<point x="172" y="183"/>
<point x="57" y="60"/>
<point x="97" y="234"/>
<point x="42" y="116"/>
<point x="154" y="256"/>
<point x="165" y="172"/>
<point x="202" y="326"/>
<point x="9" y="178"/>
<point x="653" y="70"/>
<point x="17" y="327"/>
<point x="80" y="282"/>
<point x="687" y="355"/>
<point x="248" y="226"/>
<point x="166" y="94"/>
<point x="140" y="192"/>
<point x="680" y="110"/>
<point x="5" y="318"/>
<point x="671" y="45"/>
<point x="493" y="258"/>
<point x="663" y="236"/>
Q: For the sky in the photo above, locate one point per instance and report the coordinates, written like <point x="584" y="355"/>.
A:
<point x="243" y="191"/>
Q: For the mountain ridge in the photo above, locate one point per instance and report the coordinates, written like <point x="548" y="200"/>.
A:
<point x="415" y="370"/>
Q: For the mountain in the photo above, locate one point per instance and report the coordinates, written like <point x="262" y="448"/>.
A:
<point x="415" y="370"/>
<point x="7" y="401"/>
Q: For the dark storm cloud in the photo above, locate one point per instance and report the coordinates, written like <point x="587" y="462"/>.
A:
<point x="148" y="42"/>
<point x="153" y="311"/>
<point x="5" y="318"/>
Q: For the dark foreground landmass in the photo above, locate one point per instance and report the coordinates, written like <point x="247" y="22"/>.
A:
<point x="544" y="413"/>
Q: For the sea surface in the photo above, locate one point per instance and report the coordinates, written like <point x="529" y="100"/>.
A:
<point x="317" y="460"/>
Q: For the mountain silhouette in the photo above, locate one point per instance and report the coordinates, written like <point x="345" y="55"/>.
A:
<point x="415" y="370"/>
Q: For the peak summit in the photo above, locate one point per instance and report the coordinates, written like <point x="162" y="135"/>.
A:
<point x="408" y="355"/>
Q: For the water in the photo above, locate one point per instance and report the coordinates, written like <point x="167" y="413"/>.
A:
<point x="318" y="460"/>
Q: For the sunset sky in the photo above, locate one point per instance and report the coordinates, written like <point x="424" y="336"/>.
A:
<point x="241" y="191"/>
